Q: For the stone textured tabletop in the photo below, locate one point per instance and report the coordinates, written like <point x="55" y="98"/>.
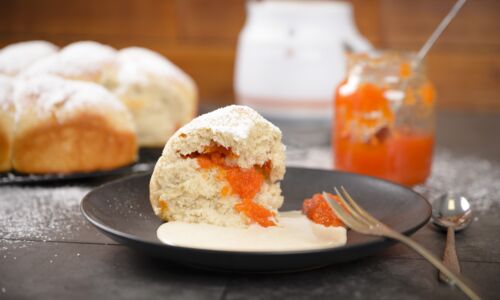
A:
<point x="48" y="251"/>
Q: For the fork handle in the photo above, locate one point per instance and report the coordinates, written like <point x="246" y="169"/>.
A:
<point x="450" y="258"/>
<point x="454" y="278"/>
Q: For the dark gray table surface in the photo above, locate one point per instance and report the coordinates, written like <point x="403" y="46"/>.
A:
<point x="81" y="263"/>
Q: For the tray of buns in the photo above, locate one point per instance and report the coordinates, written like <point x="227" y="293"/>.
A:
<point x="86" y="109"/>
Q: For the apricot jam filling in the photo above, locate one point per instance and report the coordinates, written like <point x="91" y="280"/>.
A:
<point x="163" y="205"/>
<point x="245" y="183"/>
<point x="317" y="210"/>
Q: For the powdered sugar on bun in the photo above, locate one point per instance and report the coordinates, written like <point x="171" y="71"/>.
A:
<point x="86" y="60"/>
<point x="17" y="57"/>
<point x="239" y="128"/>
<point x="49" y="95"/>
<point x="137" y="66"/>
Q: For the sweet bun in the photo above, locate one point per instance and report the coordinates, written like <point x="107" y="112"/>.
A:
<point x="85" y="60"/>
<point x="6" y="122"/>
<point x="160" y="96"/>
<point x="66" y="126"/>
<point x="222" y="168"/>
<point x="15" y="58"/>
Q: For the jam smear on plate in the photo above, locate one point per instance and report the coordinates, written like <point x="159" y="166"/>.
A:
<point x="317" y="210"/>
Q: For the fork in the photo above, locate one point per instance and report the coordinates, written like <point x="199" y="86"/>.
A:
<point x="361" y="221"/>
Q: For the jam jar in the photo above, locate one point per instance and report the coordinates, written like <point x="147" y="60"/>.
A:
<point x="384" y="118"/>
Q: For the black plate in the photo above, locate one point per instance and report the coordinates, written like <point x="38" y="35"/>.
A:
<point x="122" y="211"/>
<point x="146" y="162"/>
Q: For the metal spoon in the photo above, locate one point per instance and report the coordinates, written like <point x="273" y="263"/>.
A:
<point x="415" y="63"/>
<point x="451" y="212"/>
<point x="438" y="31"/>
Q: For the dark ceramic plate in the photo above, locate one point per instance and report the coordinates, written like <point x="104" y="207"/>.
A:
<point x="122" y="211"/>
<point x="146" y="162"/>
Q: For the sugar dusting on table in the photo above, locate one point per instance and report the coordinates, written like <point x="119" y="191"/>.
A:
<point x="476" y="178"/>
<point x="41" y="213"/>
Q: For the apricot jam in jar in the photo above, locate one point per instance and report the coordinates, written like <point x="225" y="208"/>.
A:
<point x="384" y="118"/>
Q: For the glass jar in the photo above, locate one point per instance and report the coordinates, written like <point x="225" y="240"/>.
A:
<point x="384" y="118"/>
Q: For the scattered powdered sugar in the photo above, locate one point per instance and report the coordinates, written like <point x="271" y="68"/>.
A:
<point x="41" y="213"/>
<point x="235" y="120"/>
<point x="476" y="178"/>
<point x="7" y="246"/>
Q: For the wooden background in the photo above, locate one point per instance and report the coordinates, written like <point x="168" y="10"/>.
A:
<point x="200" y="36"/>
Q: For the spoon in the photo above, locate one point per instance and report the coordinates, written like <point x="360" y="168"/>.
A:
<point x="451" y="212"/>
<point x="415" y="63"/>
<point x="437" y="32"/>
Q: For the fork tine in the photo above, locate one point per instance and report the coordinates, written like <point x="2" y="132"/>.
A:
<point x="347" y="218"/>
<point x="351" y="210"/>
<point x="358" y="208"/>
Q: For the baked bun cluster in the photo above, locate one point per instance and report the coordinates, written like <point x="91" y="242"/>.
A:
<point x="222" y="168"/>
<point x="87" y="106"/>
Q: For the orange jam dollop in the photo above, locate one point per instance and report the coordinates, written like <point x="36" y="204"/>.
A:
<point x="245" y="183"/>
<point x="317" y="210"/>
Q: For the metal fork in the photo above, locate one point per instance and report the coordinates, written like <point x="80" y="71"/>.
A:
<point x="361" y="221"/>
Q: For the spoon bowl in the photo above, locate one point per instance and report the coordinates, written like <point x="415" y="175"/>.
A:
<point x="451" y="210"/>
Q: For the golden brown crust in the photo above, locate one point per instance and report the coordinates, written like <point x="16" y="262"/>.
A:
<point x="86" y="143"/>
<point x="5" y="150"/>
